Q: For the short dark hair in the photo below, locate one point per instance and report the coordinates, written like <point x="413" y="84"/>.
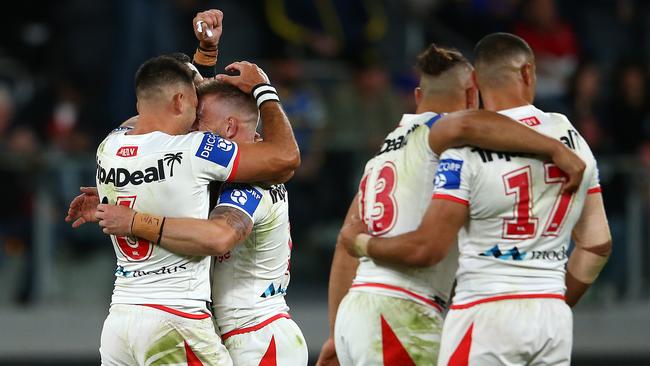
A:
<point x="180" y="56"/>
<point x="498" y="46"/>
<point x="161" y="71"/>
<point x="227" y="91"/>
<point x="435" y="60"/>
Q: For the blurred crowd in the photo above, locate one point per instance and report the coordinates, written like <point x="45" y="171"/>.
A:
<point x="344" y="71"/>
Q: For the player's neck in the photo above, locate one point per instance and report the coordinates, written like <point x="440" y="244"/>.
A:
<point x="152" y="123"/>
<point x="439" y="105"/>
<point x="498" y="100"/>
<point x="245" y="134"/>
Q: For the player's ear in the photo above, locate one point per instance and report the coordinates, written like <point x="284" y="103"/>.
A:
<point x="471" y="97"/>
<point x="231" y="128"/>
<point x="177" y="103"/>
<point x="417" y="93"/>
<point x="527" y="73"/>
<point x="471" y="93"/>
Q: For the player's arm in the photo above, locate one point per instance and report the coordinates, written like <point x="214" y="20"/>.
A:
<point x="423" y="247"/>
<point x="344" y="268"/>
<point x="491" y="130"/>
<point x="208" y="27"/>
<point x="225" y="228"/>
<point x="593" y="245"/>
<point x="277" y="156"/>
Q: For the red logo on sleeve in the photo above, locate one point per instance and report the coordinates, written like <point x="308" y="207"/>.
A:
<point x="127" y="151"/>
<point x="530" y="121"/>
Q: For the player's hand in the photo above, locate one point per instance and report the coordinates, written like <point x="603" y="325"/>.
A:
<point x="249" y="76"/>
<point x="115" y="219"/>
<point x="208" y="27"/>
<point x="327" y="355"/>
<point x="571" y="164"/>
<point x="82" y="208"/>
<point x="348" y="234"/>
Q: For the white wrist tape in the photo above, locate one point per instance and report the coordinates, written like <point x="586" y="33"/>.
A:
<point x="361" y="244"/>
<point x="585" y="265"/>
<point x="263" y="93"/>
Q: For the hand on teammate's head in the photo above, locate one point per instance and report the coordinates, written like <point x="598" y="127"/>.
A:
<point x="249" y="76"/>
<point x="208" y="27"/>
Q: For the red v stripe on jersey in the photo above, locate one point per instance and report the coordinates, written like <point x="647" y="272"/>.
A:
<point x="269" y="358"/>
<point x="460" y="357"/>
<point x="192" y="360"/>
<point x="394" y="352"/>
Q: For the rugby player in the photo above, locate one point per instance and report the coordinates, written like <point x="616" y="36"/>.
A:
<point x="158" y="310"/>
<point x="511" y="302"/>
<point x="248" y="235"/>
<point x="392" y="314"/>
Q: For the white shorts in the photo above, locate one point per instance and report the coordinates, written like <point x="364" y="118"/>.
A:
<point x="373" y="329"/>
<point x="275" y="341"/>
<point x="141" y="335"/>
<point x="525" y="331"/>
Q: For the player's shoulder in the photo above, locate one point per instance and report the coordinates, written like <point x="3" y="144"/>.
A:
<point x="115" y="133"/>
<point x="121" y="129"/>
<point x="463" y="152"/>
<point x="559" y="118"/>
<point x="426" y="118"/>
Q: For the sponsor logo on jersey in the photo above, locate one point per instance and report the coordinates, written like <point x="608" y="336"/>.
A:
<point x="397" y="142"/>
<point x="120" y="177"/>
<point x="239" y="196"/>
<point x="512" y="253"/>
<point x="530" y="121"/>
<point x="278" y="193"/>
<point x="550" y="255"/>
<point x="121" y="272"/>
<point x="216" y="149"/>
<point x="127" y="151"/>
<point x="448" y="174"/>
<point x="224" y="257"/>
<point x="242" y="196"/>
<point x="488" y="156"/>
<point x="571" y="140"/>
<point x="515" y="254"/>
<point x="272" y="290"/>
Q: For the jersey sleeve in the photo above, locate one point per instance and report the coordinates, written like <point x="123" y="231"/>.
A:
<point x="214" y="158"/>
<point x="242" y="197"/>
<point x="576" y="141"/>
<point x="594" y="181"/>
<point x="452" y="179"/>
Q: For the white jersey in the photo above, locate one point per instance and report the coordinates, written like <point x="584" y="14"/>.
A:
<point x="394" y="194"/>
<point x="250" y="281"/>
<point x="168" y="176"/>
<point x="516" y="240"/>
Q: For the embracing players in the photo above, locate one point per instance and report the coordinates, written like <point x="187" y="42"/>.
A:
<point x="511" y="303"/>
<point x="248" y="235"/>
<point x="257" y="318"/>
<point x="392" y="313"/>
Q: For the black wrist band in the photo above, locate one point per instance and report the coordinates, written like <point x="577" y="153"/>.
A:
<point x="206" y="49"/>
<point x="264" y="92"/>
